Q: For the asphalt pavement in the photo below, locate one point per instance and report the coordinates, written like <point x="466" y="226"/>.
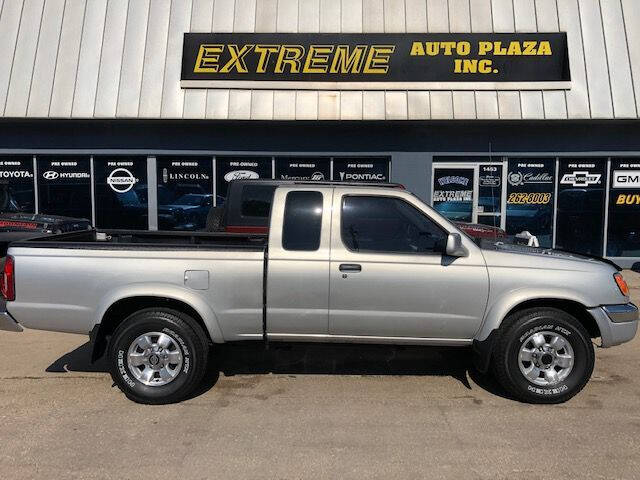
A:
<point x="311" y="411"/>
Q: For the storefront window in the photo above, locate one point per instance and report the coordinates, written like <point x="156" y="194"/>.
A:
<point x="16" y="184"/>
<point x="121" y="192"/>
<point x="530" y="197"/>
<point x="315" y="169"/>
<point x="64" y="186"/>
<point x="490" y="195"/>
<point x="623" y="235"/>
<point x="239" y="168"/>
<point x="580" y="210"/>
<point x="453" y="193"/>
<point x="185" y="192"/>
<point x="361" y="169"/>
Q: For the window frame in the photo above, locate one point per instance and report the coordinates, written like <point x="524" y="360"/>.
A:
<point x="377" y="252"/>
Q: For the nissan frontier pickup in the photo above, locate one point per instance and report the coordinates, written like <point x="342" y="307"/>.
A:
<point x="340" y="263"/>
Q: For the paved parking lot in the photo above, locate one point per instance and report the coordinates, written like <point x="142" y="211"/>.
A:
<point x="311" y="412"/>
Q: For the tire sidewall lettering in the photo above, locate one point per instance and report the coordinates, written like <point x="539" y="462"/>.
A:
<point x="557" y="328"/>
<point x="122" y="368"/>
<point x="548" y="391"/>
<point x="183" y="345"/>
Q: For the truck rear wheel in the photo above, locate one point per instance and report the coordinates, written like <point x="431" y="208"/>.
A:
<point x="543" y="355"/>
<point x="158" y="356"/>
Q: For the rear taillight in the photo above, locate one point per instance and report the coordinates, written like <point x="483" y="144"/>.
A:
<point x="8" y="280"/>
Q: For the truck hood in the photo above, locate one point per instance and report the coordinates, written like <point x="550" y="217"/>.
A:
<point x="546" y="256"/>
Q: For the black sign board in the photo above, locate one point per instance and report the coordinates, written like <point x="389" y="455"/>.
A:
<point x="16" y="171"/>
<point x="239" y="168"/>
<point x="372" y="60"/>
<point x="361" y="169"/>
<point x="64" y="186"/>
<point x="580" y="212"/>
<point x="303" y="168"/>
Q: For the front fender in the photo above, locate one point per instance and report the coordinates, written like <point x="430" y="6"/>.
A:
<point x="163" y="290"/>
<point x="500" y="307"/>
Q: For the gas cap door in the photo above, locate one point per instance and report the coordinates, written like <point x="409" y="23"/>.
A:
<point x="197" y="279"/>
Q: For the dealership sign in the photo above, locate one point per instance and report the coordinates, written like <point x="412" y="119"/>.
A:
<point x="626" y="179"/>
<point x="361" y="170"/>
<point x="376" y="61"/>
<point x="302" y="168"/>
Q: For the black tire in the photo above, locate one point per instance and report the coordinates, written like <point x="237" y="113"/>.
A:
<point x="516" y="331"/>
<point x="214" y="219"/>
<point x="188" y="337"/>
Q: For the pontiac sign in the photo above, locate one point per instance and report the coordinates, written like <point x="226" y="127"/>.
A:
<point x="376" y="61"/>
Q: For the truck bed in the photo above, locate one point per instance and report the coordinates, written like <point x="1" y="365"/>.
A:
<point x="136" y="239"/>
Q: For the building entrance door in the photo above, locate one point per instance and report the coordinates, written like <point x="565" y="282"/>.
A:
<point x="470" y="192"/>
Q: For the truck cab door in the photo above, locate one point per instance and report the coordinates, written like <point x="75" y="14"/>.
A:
<point x="389" y="276"/>
<point x="297" y="283"/>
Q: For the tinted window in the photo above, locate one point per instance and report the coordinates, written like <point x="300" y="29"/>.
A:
<point x="185" y="192"/>
<point x="16" y="184"/>
<point x="453" y="193"/>
<point x="580" y="211"/>
<point x="239" y="168"/>
<point x="121" y="192"/>
<point x="530" y="186"/>
<point x="64" y="186"/>
<point x="302" y="221"/>
<point x="623" y="239"/>
<point x="256" y="200"/>
<point x="384" y="224"/>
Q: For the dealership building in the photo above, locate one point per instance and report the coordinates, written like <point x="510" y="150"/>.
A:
<point x="523" y="114"/>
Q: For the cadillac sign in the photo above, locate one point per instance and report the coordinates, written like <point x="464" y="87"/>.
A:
<point x="378" y="61"/>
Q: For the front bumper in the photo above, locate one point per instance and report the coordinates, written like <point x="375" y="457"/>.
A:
<point x="6" y="320"/>
<point x="617" y="323"/>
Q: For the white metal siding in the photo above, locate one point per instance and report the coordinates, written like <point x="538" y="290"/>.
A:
<point x="121" y="58"/>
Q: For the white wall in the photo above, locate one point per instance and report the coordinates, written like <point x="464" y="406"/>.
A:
<point x="121" y="58"/>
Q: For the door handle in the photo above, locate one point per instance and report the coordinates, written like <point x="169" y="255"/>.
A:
<point x="350" y="267"/>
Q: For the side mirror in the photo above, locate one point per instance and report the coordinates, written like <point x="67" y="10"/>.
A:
<point x="454" y="246"/>
<point x="636" y="267"/>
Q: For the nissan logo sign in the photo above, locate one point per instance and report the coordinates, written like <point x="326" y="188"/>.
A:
<point x="50" y="175"/>
<point x="121" y="180"/>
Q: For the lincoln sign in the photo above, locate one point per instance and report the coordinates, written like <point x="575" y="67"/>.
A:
<point x="451" y="61"/>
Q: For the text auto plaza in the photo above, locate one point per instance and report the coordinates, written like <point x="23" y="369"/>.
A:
<point x="520" y="115"/>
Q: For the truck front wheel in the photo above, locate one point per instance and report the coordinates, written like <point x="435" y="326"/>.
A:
<point x="543" y="355"/>
<point x="158" y="356"/>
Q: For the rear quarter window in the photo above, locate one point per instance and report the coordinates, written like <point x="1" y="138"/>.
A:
<point x="302" y="221"/>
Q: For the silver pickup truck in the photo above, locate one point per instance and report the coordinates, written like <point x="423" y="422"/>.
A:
<point x="341" y="263"/>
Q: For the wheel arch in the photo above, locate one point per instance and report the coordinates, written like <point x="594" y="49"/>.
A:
<point x="485" y="339"/>
<point x="113" y="313"/>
